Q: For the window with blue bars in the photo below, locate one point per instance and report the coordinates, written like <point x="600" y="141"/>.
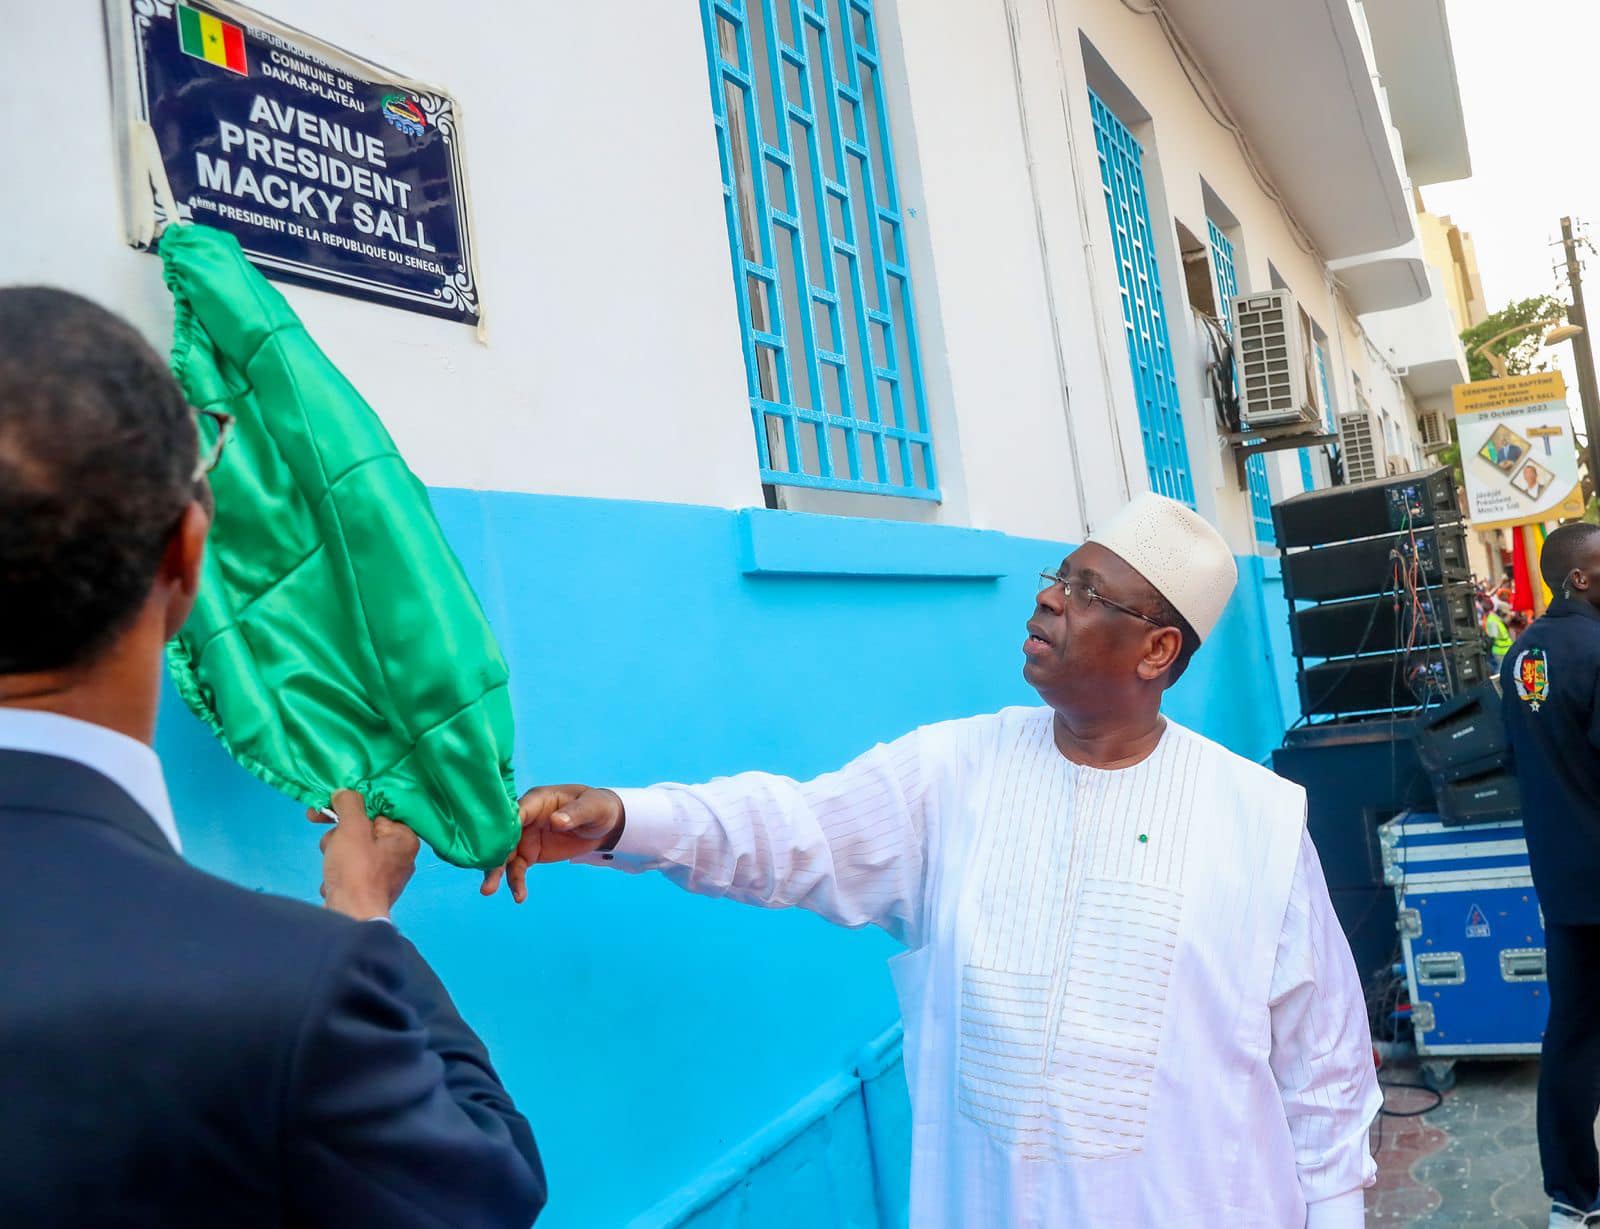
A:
<point x="1255" y="466"/>
<point x="1144" y="320"/>
<point x="1327" y="415"/>
<point x="819" y="258"/>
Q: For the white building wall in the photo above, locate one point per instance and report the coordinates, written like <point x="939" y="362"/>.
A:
<point x="1186" y="149"/>
<point x="994" y="287"/>
<point x="612" y="365"/>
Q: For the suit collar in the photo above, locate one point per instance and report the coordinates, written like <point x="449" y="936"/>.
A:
<point x="32" y="782"/>
<point x="128" y="763"/>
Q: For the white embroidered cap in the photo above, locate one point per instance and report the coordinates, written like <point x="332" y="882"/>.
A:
<point x="1177" y="551"/>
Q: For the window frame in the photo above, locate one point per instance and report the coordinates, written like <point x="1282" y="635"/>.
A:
<point x="847" y="411"/>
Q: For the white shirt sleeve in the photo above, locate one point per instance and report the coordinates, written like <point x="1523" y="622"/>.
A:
<point x="850" y="845"/>
<point x="1322" y="1052"/>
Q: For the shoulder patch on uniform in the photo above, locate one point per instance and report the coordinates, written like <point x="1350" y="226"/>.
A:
<point x="1532" y="675"/>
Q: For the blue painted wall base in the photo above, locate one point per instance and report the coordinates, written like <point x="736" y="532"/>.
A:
<point x="647" y="1033"/>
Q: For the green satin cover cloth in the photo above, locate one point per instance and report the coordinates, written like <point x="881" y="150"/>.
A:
<point x="336" y="642"/>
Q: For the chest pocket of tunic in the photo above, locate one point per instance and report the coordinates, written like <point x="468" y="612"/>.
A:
<point x="1061" y="1064"/>
<point x="1108" y="1022"/>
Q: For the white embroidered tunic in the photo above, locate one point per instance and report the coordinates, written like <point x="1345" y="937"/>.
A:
<point x="1127" y="1001"/>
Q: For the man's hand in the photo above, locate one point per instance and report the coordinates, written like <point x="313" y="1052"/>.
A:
<point x="558" y="822"/>
<point x="366" y="864"/>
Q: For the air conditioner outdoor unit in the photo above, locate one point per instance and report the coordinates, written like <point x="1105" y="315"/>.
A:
<point x="1398" y="466"/>
<point x="1278" y="385"/>
<point x="1430" y="426"/>
<point x="1358" y="446"/>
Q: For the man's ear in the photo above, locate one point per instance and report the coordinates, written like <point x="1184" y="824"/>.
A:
<point x="1161" y="649"/>
<point x="180" y="564"/>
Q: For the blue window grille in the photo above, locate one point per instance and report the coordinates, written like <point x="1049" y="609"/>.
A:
<point x="819" y="261"/>
<point x="1144" y="318"/>
<point x="1227" y="278"/>
<point x="1255" y="466"/>
<point x="1327" y="413"/>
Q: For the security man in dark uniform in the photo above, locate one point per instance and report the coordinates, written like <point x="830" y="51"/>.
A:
<point x="1550" y="694"/>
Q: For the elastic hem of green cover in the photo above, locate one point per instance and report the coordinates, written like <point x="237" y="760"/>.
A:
<point x="179" y="664"/>
<point x="182" y="669"/>
<point x="182" y="324"/>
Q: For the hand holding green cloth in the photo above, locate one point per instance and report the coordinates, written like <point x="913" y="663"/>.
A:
<point x="336" y="642"/>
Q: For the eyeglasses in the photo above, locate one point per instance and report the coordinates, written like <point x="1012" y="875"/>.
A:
<point x="211" y="453"/>
<point x="1088" y="595"/>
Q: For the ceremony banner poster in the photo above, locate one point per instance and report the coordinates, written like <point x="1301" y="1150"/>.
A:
<point x="331" y="171"/>
<point x="1518" y="451"/>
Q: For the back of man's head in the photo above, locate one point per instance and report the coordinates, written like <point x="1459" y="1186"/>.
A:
<point x="97" y="458"/>
<point x="1564" y="550"/>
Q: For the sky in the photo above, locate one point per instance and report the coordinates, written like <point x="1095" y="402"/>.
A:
<point x="1530" y="90"/>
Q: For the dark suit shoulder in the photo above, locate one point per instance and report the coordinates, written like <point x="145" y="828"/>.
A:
<point x="141" y="917"/>
<point x="281" y="915"/>
<point x="131" y="970"/>
<point x="240" y="1051"/>
<point x="254" y="912"/>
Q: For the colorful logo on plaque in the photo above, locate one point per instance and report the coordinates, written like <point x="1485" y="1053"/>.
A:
<point x="403" y="113"/>
<point x="211" y="39"/>
<point x="1533" y="678"/>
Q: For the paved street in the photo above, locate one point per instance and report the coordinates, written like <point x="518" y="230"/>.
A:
<point x="1473" y="1163"/>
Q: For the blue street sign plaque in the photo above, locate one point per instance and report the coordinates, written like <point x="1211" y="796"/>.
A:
<point x="330" y="171"/>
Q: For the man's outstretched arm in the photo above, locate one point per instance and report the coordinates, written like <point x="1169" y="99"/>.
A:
<point x="850" y="845"/>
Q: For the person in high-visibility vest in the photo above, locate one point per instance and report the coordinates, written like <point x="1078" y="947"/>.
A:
<point x="1494" y="627"/>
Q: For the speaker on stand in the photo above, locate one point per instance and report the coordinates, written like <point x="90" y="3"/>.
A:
<point x="1381" y="616"/>
<point x="1463" y="748"/>
<point x="1383" y="627"/>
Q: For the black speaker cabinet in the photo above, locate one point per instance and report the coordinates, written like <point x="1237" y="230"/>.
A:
<point x="1387" y="681"/>
<point x="1463" y="737"/>
<point x="1488" y="799"/>
<point x="1380" y="623"/>
<point x="1366" y="509"/>
<point x="1356" y="569"/>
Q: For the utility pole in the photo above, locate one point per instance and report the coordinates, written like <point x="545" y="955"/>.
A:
<point x="1588" y="392"/>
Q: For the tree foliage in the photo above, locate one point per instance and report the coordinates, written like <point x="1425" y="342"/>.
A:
<point x="1521" y="351"/>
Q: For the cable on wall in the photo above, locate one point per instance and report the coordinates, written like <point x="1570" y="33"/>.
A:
<point x="1211" y="100"/>
<point x="1049" y="281"/>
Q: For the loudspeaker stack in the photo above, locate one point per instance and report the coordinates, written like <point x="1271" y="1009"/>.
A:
<point x="1382" y="618"/>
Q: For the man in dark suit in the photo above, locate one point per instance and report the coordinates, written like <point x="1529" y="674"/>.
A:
<point x="1550" y="694"/>
<point x="175" y="1050"/>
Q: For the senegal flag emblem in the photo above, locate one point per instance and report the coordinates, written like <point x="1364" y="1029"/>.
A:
<point x="211" y="39"/>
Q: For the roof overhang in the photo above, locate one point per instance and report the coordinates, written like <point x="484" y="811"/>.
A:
<point x="1421" y="342"/>
<point x="1296" y="75"/>
<point x="1380" y="281"/>
<point x="1435" y="377"/>
<point x="1411" y="43"/>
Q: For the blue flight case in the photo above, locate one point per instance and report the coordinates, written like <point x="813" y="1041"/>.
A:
<point x="1473" y="936"/>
